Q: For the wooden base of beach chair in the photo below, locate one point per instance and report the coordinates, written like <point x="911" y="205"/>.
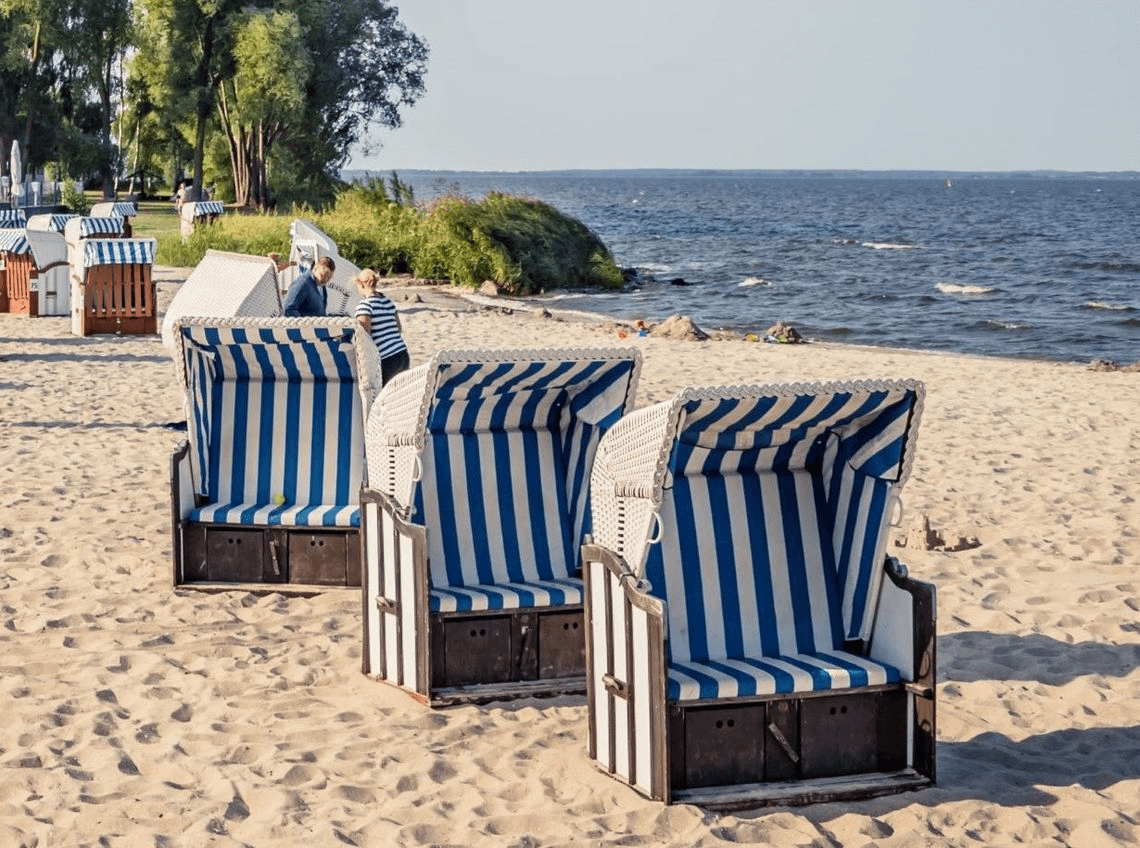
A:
<point x="229" y="554"/>
<point x="479" y="657"/>
<point x="119" y="299"/>
<point x="19" y="271"/>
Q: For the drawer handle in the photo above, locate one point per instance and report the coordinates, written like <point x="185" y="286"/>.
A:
<point x="783" y="742"/>
<point x="273" y="556"/>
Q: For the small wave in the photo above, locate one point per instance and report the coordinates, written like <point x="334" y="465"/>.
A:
<point x="1112" y="307"/>
<point x="754" y="281"/>
<point x="887" y="245"/>
<point x="845" y="241"/>
<point x="655" y="268"/>
<point x="994" y="324"/>
<point x="954" y="288"/>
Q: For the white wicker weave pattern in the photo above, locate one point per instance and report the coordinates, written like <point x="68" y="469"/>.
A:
<point x="227" y="285"/>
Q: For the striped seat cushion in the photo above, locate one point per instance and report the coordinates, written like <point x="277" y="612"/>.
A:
<point x="279" y="514"/>
<point x="784" y="674"/>
<point x="498" y="596"/>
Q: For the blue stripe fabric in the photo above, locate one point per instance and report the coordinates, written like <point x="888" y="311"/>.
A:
<point x="505" y="469"/>
<point x="58" y="222"/>
<point x="14" y="241"/>
<point x="104" y="225"/>
<point x="773" y="519"/>
<point x="118" y="251"/>
<point x="208" y="207"/>
<point x="12" y="219"/>
<point x="278" y="423"/>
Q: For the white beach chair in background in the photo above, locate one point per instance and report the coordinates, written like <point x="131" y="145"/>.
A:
<point x="479" y="465"/>
<point x="121" y="208"/>
<point x="266" y="488"/>
<point x="744" y="647"/>
<point x="307" y="242"/>
<point x="225" y="285"/>
<point x="198" y="212"/>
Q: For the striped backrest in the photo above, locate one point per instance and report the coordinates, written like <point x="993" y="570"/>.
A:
<point x="274" y="409"/>
<point x="507" y="441"/>
<point x="118" y="252"/>
<point x="773" y="515"/>
<point x="12" y="219"/>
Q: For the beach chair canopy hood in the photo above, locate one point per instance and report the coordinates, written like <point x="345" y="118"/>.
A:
<point x="225" y="285"/>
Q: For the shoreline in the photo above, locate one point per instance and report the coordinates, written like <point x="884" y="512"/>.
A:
<point x="137" y="715"/>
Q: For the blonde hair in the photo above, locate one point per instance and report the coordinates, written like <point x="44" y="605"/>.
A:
<point x="368" y="278"/>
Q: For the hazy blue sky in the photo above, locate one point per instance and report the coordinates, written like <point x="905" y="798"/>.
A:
<point x="873" y="84"/>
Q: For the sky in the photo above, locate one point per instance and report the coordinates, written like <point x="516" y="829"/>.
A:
<point x="989" y="85"/>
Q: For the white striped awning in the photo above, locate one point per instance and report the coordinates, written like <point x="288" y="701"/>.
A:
<point x="124" y="210"/>
<point x="58" y="222"/>
<point x="14" y="241"/>
<point x="13" y="219"/>
<point x="102" y="226"/>
<point x="118" y="252"/>
<point x="208" y="207"/>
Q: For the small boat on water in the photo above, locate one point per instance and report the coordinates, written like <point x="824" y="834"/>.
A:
<point x="949" y="183"/>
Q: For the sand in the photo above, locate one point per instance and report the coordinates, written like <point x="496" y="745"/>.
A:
<point x="136" y="715"/>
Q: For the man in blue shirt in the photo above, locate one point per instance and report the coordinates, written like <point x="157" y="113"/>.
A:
<point x="307" y="296"/>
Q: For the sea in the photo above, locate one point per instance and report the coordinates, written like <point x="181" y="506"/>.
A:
<point x="1042" y="265"/>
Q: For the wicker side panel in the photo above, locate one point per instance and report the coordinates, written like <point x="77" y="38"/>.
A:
<point x="394" y="434"/>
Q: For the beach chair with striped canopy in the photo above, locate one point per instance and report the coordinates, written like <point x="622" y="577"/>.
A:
<point x="266" y="488"/>
<point x="479" y="465"/>
<point x="224" y="285"/>
<point x="198" y="212"/>
<point x="749" y="641"/>
<point x="112" y="287"/>
<point x="13" y="219"/>
<point x="52" y="223"/>
<point x="307" y="243"/>
<point x="121" y="208"/>
<point x="16" y="268"/>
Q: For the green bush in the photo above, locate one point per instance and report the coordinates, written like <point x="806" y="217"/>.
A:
<point x="524" y="245"/>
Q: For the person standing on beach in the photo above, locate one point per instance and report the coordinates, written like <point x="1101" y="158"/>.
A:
<point x="377" y="315"/>
<point x="307" y="297"/>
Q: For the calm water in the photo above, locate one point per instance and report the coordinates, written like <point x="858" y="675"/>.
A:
<point x="1031" y="266"/>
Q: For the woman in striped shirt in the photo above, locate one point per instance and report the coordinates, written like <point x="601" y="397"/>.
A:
<point x="377" y="315"/>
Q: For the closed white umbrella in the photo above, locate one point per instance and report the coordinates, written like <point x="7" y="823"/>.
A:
<point x="17" y="170"/>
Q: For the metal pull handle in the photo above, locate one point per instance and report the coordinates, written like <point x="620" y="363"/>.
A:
<point x="273" y="556"/>
<point x="617" y="688"/>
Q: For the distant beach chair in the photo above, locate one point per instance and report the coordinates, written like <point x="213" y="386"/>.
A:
<point x="307" y="243"/>
<point x="224" y="285"/>
<point x="112" y="287"/>
<point x="121" y="208"/>
<point x="198" y="212"/>
<point x="266" y="488"/>
<point x="744" y="647"/>
<point x="34" y="272"/>
<point x="477" y="506"/>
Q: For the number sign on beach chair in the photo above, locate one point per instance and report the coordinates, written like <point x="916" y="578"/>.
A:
<point x="224" y="285"/>
<point x="478" y="505"/>
<point x="749" y="642"/>
<point x="266" y="488"/>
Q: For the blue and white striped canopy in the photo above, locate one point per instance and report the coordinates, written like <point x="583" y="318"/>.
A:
<point x="12" y="219"/>
<point x="101" y="226"/>
<point x="118" y="252"/>
<point x="208" y="207"/>
<point x="124" y="210"/>
<point x="58" y="222"/>
<point x="14" y="241"/>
